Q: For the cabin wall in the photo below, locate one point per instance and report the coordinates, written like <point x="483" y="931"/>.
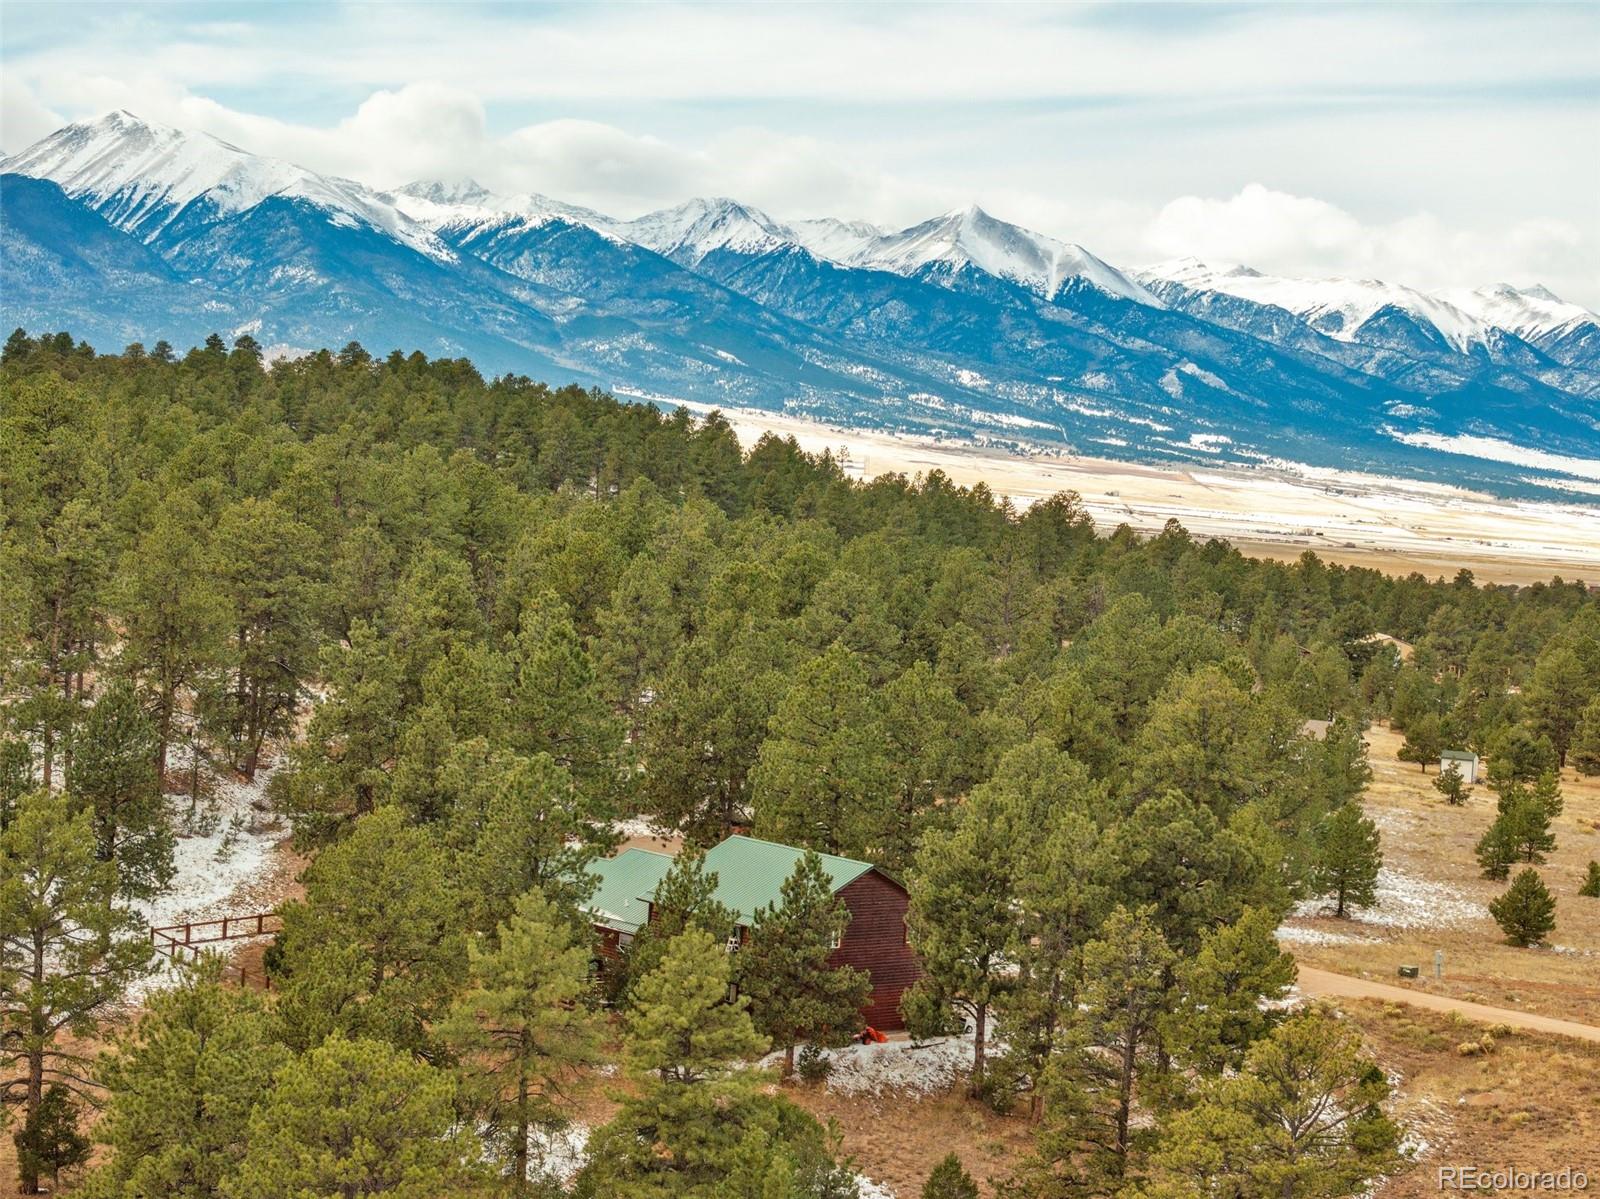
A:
<point x="875" y="941"/>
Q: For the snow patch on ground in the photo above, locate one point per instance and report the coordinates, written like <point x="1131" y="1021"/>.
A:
<point x="1497" y="450"/>
<point x="212" y="866"/>
<point x="637" y="827"/>
<point x="1405" y="901"/>
<point x="908" y="1067"/>
<point x="1300" y="935"/>
<point x="216" y="868"/>
<point x="558" y="1154"/>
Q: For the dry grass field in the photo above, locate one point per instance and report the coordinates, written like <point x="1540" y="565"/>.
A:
<point x="1528" y="1100"/>
<point x="1433" y="897"/>
<point x="897" y="1139"/>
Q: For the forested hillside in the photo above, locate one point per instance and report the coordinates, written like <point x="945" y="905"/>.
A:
<point x="482" y="622"/>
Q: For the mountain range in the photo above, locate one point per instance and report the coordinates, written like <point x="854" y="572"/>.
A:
<point x="963" y="326"/>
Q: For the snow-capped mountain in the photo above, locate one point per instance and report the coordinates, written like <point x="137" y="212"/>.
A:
<point x="963" y="325"/>
<point x="143" y="177"/>
<point x="438" y="205"/>
<point x="971" y="239"/>
<point x="835" y="240"/>
<point x="1337" y="308"/>
<point x="1568" y="333"/>
<point x="1529" y="312"/>
<point x="689" y="232"/>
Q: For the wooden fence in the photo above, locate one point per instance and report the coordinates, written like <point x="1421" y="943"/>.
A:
<point x="175" y="940"/>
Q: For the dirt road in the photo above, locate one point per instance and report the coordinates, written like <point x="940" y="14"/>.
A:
<point x="1325" y="983"/>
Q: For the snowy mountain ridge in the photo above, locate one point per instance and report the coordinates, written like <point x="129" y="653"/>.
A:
<point x="141" y="177"/>
<point x="971" y="238"/>
<point x="963" y="325"/>
<point x="1335" y="307"/>
<point x="467" y="203"/>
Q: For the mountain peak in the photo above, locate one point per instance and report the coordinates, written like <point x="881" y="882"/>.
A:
<point x="442" y="191"/>
<point x="140" y="175"/>
<point x="972" y="238"/>
<point x="699" y="226"/>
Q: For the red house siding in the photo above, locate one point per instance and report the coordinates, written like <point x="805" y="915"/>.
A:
<point x="875" y="941"/>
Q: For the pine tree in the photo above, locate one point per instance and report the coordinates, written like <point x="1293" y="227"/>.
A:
<point x="356" y="1118"/>
<point x="923" y="724"/>
<point x="1424" y="742"/>
<point x="175" y="617"/>
<point x="795" y="995"/>
<point x="1125" y="970"/>
<point x="1585" y="749"/>
<point x="698" y="1124"/>
<point x="1591" y="881"/>
<point x="1206" y="740"/>
<point x="1347" y="859"/>
<point x="1228" y="993"/>
<point x="556" y="705"/>
<point x="264" y="570"/>
<point x="521" y="1027"/>
<point x="949" y="1180"/>
<point x="1066" y="887"/>
<point x="1517" y="756"/>
<point x="68" y="951"/>
<point x="1521" y="830"/>
<point x="684" y="899"/>
<point x="1526" y="912"/>
<point x="1225" y="867"/>
<point x="823" y="780"/>
<point x="375" y="947"/>
<point x="114" y="755"/>
<point x="962" y="919"/>
<point x="342" y="767"/>
<point x="49" y="1141"/>
<point x="683" y="1029"/>
<point x="1084" y="1144"/>
<point x="182" y="1082"/>
<point x="1557" y="694"/>
<point x="16" y="776"/>
<point x="1496" y="850"/>
<point x="1303" y="1118"/>
<point x="1449" y="785"/>
<point x="536" y="829"/>
<point x="704" y="729"/>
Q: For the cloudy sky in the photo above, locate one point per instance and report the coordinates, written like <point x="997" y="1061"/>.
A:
<point x="1440" y="144"/>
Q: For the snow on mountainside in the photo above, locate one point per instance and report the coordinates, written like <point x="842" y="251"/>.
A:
<point x="963" y="325"/>
<point x="692" y="230"/>
<point x="141" y="176"/>
<point x="1531" y="313"/>
<point x="1337" y="308"/>
<point x="973" y="238"/>
<point x="835" y="240"/>
<point x="439" y="205"/>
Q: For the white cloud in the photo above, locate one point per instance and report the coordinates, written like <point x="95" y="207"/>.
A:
<point x="1448" y="146"/>
<point x="23" y="119"/>
<point x="1299" y="235"/>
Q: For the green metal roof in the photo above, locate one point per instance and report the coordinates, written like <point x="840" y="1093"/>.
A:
<point x="1458" y="755"/>
<point x="750" y="873"/>
<point x="626" y="882"/>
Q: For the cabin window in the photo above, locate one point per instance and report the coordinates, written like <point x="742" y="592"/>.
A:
<point x="624" y="940"/>
<point x="733" y="942"/>
<point x="836" y="940"/>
